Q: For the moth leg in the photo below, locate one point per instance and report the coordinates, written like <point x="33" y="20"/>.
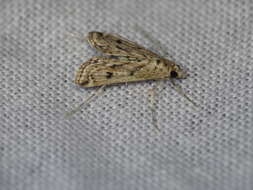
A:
<point x="153" y="95"/>
<point x="86" y="101"/>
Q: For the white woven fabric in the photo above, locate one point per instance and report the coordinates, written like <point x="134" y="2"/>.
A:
<point x="111" y="144"/>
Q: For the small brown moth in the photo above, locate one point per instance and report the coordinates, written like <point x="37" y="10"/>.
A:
<point x="128" y="62"/>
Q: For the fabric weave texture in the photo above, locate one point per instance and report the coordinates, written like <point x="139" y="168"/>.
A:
<point x="111" y="144"/>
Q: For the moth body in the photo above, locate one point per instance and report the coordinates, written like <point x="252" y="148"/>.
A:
<point x="129" y="62"/>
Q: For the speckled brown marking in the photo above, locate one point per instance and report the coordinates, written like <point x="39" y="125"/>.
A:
<point x="84" y="83"/>
<point x="129" y="62"/>
<point x="113" y="66"/>
<point x="131" y="73"/>
<point x="109" y="75"/>
<point x="121" y="48"/>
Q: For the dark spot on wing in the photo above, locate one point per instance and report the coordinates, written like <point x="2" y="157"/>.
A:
<point x="109" y="75"/>
<point x="116" y="65"/>
<point x="131" y="73"/>
<point x="84" y="83"/>
<point x="166" y="64"/>
<point x="95" y="61"/>
<point x="158" y="61"/>
<point x="113" y="66"/>
<point x="119" y="41"/>
<point x="120" y="48"/>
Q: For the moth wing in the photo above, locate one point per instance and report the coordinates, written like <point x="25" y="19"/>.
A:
<point x="118" y="46"/>
<point x="108" y="71"/>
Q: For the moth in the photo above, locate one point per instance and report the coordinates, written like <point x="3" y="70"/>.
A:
<point x="125" y="62"/>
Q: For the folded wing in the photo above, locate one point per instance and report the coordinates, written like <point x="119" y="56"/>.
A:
<point x="118" y="46"/>
<point x="107" y="71"/>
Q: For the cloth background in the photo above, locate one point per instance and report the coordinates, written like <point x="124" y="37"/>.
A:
<point x="111" y="143"/>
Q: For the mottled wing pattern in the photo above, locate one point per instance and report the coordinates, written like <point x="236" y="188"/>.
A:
<point x="118" y="46"/>
<point x="103" y="71"/>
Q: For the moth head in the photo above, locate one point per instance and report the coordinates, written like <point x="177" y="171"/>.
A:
<point x="177" y="72"/>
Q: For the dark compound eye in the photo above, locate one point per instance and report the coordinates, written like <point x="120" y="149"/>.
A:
<point x="173" y="74"/>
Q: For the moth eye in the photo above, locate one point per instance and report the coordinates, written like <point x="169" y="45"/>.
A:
<point x="173" y="74"/>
